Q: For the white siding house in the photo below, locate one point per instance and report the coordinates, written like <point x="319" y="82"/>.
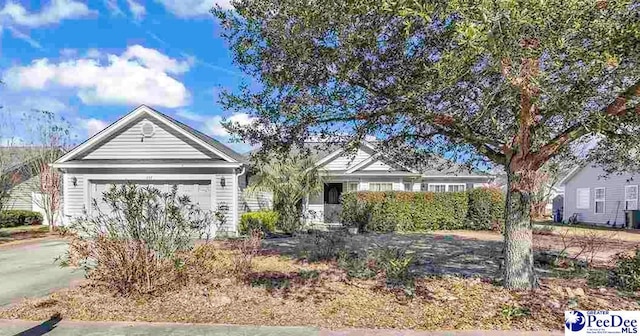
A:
<point x="595" y="197"/>
<point x="368" y="170"/>
<point x="146" y="147"/>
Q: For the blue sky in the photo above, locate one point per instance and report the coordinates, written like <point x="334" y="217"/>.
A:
<point x="93" y="61"/>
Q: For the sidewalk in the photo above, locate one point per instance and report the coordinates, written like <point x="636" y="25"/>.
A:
<point x="74" y="328"/>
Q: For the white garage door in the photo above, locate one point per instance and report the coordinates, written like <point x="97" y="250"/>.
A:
<point x="198" y="191"/>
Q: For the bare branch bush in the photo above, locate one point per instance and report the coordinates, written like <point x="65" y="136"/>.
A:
<point x="136" y="239"/>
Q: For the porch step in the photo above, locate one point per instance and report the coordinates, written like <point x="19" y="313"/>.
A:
<point x="327" y="226"/>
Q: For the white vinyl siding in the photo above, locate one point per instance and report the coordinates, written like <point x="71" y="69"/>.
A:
<point x="131" y="144"/>
<point x="631" y="197"/>
<point x="377" y="166"/>
<point x="599" y="199"/>
<point x="352" y="186"/>
<point x="74" y="195"/>
<point x="582" y="198"/>
<point x="346" y="161"/>
<point x="378" y="186"/>
<point x="224" y="198"/>
<point x="20" y="196"/>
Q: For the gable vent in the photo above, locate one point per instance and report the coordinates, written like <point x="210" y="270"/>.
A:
<point x="148" y="129"/>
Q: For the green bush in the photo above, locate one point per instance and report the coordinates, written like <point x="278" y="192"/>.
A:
<point x="356" y="266"/>
<point x="264" y="221"/>
<point x="477" y="209"/>
<point x="13" y="218"/>
<point x="486" y="209"/>
<point x="321" y="245"/>
<point x="626" y="275"/>
<point x="395" y="263"/>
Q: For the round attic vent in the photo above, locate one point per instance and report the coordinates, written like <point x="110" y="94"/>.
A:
<point x="148" y="129"/>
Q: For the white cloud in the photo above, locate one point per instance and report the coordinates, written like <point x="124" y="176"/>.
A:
<point x="188" y="115"/>
<point x="56" y="11"/>
<point x="49" y="104"/>
<point x="138" y="76"/>
<point x="113" y="7"/>
<point x="215" y="128"/>
<point x="93" y="53"/>
<point x="192" y="8"/>
<point x="25" y="37"/>
<point x="136" y="9"/>
<point x="154" y="59"/>
<point x="68" y="52"/>
<point x="93" y="126"/>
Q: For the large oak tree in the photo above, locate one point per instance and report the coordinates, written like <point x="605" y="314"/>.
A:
<point x="509" y="83"/>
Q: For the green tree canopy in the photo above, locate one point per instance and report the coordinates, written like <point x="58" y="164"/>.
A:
<point x="511" y="83"/>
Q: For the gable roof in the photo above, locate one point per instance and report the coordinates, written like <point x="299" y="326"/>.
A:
<point x="205" y="141"/>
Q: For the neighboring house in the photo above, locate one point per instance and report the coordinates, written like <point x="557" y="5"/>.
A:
<point x="596" y="198"/>
<point x="367" y="169"/>
<point x="146" y="147"/>
<point x="18" y="181"/>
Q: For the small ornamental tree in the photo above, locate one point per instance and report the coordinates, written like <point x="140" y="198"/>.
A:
<point x="508" y="83"/>
<point x="49" y="139"/>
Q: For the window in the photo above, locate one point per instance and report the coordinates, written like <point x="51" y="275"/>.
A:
<point x="446" y="187"/>
<point x="376" y="186"/>
<point x="408" y="187"/>
<point x="352" y="186"/>
<point x="437" y="187"/>
<point x="599" y="196"/>
<point x="456" y="187"/>
<point x="631" y="197"/>
<point x="582" y="198"/>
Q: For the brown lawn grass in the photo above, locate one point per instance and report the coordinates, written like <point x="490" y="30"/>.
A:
<point x="283" y="291"/>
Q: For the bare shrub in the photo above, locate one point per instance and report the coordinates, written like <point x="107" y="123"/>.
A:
<point x="247" y="249"/>
<point x="585" y="244"/>
<point x="138" y="245"/>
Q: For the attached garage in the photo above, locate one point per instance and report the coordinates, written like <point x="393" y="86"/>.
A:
<point x="148" y="148"/>
<point x="198" y="191"/>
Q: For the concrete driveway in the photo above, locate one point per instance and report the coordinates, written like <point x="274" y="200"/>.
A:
<point x="29" y="270"/>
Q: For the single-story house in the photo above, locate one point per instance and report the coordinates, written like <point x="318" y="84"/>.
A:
<point x="595" y="197"/>
<point x="147" y="147"/>
<point x="367" y="169"/>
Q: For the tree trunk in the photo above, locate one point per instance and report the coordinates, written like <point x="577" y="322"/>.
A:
<point x="518" y="239"/>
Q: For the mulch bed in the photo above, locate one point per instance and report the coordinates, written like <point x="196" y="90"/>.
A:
<point x="281" y="291"/>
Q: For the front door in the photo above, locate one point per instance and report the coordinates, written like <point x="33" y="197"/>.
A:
<point x="332" y="206"/>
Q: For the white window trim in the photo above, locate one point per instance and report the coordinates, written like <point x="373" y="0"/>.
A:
<point x="626" y="197"/>
<point x="446" y="186"/>
<point x="588" y="203"/>
<point x="596" y="200"/>
<point x="380" y="183"/>
<point x="349" y="183"/>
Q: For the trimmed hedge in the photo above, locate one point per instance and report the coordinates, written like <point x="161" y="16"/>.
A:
<point x="13" y="218"/>
<point x="264" y="221"/>
<point x="477" y="209"/>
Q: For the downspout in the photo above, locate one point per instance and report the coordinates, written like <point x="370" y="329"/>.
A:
<point x="237" y="196"/>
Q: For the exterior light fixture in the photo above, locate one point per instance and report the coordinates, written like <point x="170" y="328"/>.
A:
<point x="223" y="182"/>
<point x="74" y="180"/>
